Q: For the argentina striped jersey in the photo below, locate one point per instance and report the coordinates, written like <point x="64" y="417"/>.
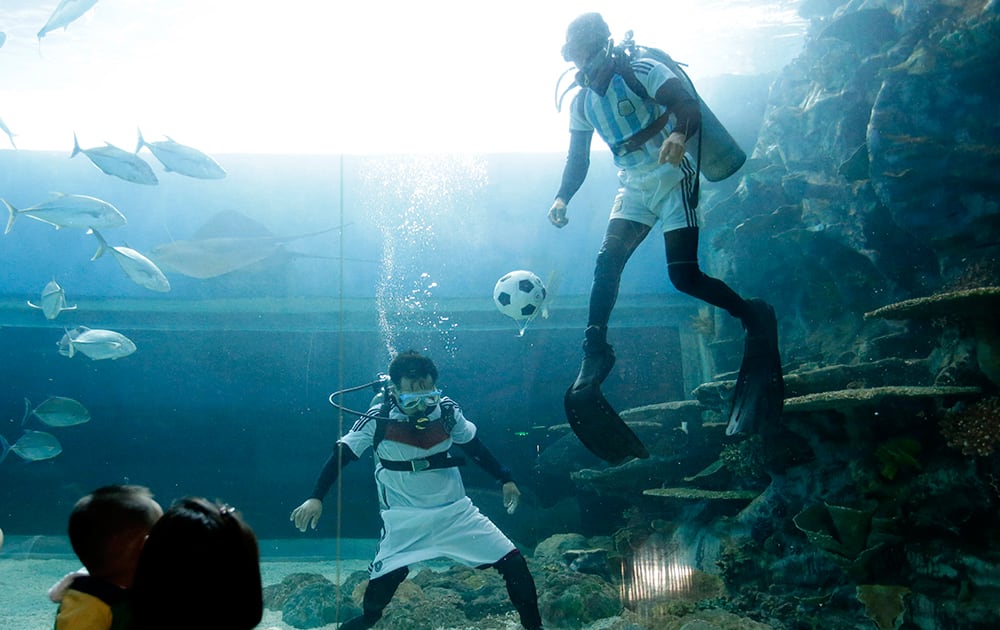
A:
<point x="621" y="113"/>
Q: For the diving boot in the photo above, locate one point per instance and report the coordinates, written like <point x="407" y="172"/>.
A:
<point x="598" y="358"/>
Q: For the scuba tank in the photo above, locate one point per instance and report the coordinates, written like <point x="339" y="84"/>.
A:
<point x="715" y="150"/>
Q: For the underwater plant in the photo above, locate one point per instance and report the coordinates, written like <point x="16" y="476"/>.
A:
<point x="973" y="429"/>
<point x="884" y="604"/>
<point x="898" y="454"/>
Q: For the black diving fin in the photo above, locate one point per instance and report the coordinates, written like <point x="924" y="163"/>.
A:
<point x="759" y="395"/>
<point x="599" y="426"/>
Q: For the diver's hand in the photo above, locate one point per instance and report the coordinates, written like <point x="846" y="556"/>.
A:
<point x="511" y="497"/>
<point x="672" y="149"/>
<point x="307" y="514"/>
<point x="557" y="213"/>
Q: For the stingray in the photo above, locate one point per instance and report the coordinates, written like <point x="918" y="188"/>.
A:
<point x="229" y="241"/>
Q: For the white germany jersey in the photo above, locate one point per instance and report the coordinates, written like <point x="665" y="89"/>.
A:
<point x="423" y="489"/>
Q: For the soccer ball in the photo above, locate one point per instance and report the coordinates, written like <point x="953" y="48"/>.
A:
<point x="519" y="294"/>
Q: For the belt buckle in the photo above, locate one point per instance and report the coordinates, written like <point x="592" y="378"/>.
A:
<point x="420" y="464"/>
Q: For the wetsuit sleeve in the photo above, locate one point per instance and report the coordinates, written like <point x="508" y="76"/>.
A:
<point x="577" y="164"/>
<point x="478" y="452"/>
<point x="342" y="455"/>
<point x="682" y="105"/>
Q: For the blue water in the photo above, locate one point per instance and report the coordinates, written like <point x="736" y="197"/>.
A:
<point x="226" y="395"/>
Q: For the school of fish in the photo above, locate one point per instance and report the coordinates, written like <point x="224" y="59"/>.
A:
<point x="32" y="445"/>
<point x="228" y="242"/>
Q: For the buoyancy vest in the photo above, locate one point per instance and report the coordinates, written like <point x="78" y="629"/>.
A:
<point x="420" y="434"/>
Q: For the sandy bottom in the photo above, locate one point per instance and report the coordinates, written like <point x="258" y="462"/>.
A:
<point x="26" y="574"/>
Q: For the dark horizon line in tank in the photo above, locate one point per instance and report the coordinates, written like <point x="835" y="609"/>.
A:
<point x="317" y="314"/>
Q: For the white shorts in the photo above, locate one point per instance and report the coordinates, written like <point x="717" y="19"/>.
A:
<point x="457" y="531"/>
<point x="657" y="193"/>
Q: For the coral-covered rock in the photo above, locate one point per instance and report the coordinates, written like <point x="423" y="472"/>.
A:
<point x="553" y="548"/>
<point x="973" y="429"/>
<point x="309" y="600"/>
<point x="572" y="600"/>
<point x="276" y="594"/>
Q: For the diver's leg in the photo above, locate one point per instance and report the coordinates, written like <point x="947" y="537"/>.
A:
<point x="682" y="266"/>
<point x="378" y="593"/>
<point x="758" y="396"/>
<point x="620" y="241"/>
<point x="521" y="588"/>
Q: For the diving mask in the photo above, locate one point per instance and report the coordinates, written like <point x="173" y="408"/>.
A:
<point x="414" y="401"/>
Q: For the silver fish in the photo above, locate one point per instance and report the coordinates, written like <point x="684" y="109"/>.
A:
<point x="59" y="411"/>
<point x="32" y="446"/>
<point x="53" y="301"/>
<point x="10" y="134"/>
<point x="96" y="344"/>
<point x="67" y="12"/>
<point x="137" y="267"/>
<point x="182" y="159"/>
<point x="118" y="162"/>
<point x="76" y="211"/>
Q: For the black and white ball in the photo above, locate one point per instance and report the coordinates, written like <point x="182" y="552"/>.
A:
<point x="519" y="294"/>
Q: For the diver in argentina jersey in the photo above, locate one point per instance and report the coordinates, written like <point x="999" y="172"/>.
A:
<point x="646" y="115"/>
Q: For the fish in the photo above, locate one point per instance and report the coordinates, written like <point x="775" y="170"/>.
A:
<point x="53" y="300"/>
<point x="3" y="38"/>
<point x="178" y="158"/>
<point x="118" y="162"/>
<point x="76" y="211"/>
<point x="67" y="12"/>
<point x="96" y="344"/>
<point x="32" y="446"/>
<point x="137" y="267"/>
<point x="211" y="253"/>
<point x="9" y="133"/>
<point x="59" y="411"/>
